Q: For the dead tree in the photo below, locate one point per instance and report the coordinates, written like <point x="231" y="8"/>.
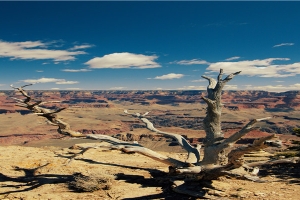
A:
<point x="219" y="158"/>
<point x="51" y="116"/>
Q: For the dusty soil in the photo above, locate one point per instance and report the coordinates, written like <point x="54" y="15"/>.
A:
<point x="39" y="169"/>
<point x="44" y="173"/>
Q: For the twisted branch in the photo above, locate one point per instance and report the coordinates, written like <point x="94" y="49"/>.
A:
<point x="50" y="115"/>
<point x="193" y="152"/>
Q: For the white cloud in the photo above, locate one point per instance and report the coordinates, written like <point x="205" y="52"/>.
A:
<point x="49" y="80"/>
<point x="2" y="84"/>
<point x="283" y="44"/>
<point x="123" y="60"/>
<point x="117" y="88"/>
<point x="275" y="88"/>
<point x="66" y="82"/>
<point x="76" y="70"/>
<point x="42" y="80"/>
<point x="261" y="68"/>
<point x="230" y="87"/>
<point x="197" y="81"/>
<point x="39" y="71"/>
<point x="54" y="88"/>
<point x="191" y="62"/>
<point x="85" y="46"/>
<point x="169" y="76"/>
<point x="233" y="58"/>
<point x="35" y="50"/>
<point x="192" y="87"/>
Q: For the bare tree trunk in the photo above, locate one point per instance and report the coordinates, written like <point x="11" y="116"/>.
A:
<point x="212" y="122"/>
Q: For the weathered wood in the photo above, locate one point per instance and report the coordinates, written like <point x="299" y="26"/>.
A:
<point x="129" y="147"/>
<point x="193" y="152"/>
<point x="29" y="103"/>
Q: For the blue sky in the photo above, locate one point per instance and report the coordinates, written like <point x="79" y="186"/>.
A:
<point x="149" y="45"/>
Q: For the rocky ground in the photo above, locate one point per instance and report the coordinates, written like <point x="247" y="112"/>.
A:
<point x="46" y="173"/>
<point x="34" y="158"/>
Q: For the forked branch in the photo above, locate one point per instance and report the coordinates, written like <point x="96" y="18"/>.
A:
<point x="50" y="115"/>
<point x="193" y="152"/>
<point x="137" y="148"/>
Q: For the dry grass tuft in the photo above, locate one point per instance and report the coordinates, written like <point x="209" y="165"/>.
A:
<point x="91" y="183"/>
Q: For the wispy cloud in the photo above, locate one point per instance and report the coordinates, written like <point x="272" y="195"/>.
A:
<point x="191" y="62"/>
<point x="2" y="85"/>
<point x="49" y="80"/>
<point x="39" y="71"/>
<point x="230" y="87"/>
<point x="117" y="88"/>
<point x="168" y="76"/>
<point x="66" y="82"/>
<point x="76" y="70"/>
<point x="192" y="87"/>
<point x="283" y="44"/>
<point x="233" y="58"/>
<point x="42" y="80"/>
<point x="261" y="68"/>
<point x="55" y="88"/>
<point x="84" y="46"/>
<point x="35" y="50"/>
<point x="275" y="88"/>
<point x="124" y="60"/>
<point x="197" y="81"/>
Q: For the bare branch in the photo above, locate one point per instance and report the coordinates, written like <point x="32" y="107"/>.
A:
<point x="181" y="140"/>
<point x="230" y="76"/>
<point x="211" y="103"/>
<point x="137" y="148"/>
<point x="220" y="75"/>
<point x="18" y="100"/>
<point x="235" y="155"/>
<point x="20" y="89"/>
<point x="246" y="129"/>
<point x="212" y="82"/>
<point x="50" y="115"/>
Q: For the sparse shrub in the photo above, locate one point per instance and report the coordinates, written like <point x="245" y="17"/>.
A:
<point x="91" y="183"/>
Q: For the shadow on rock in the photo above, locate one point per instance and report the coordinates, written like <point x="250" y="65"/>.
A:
<point x="31" y="181"/>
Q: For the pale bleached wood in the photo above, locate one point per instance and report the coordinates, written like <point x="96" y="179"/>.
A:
<point x="212" y="121"/>
<point x="193" y="152"/>
<point x="51" y="115"/>
<point x="129" y="147"/>
<point x="235" y="155"/>
<point x="238" y="135"/>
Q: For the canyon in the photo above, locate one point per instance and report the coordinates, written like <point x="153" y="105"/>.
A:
<point x="101" y="112"/>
